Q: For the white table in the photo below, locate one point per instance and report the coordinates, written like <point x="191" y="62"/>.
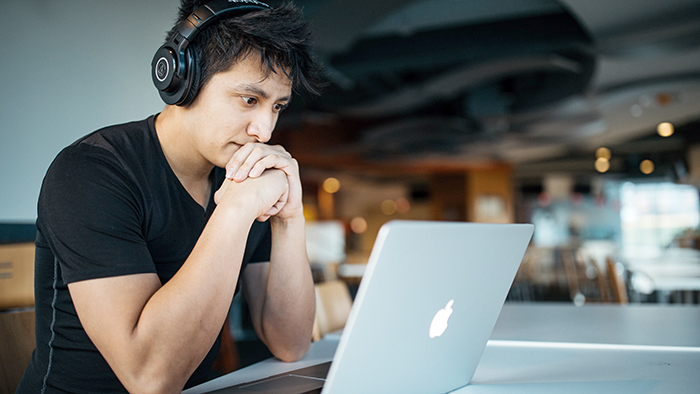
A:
<point x="676" y="270"/>
<point x="557" y="348"/>
<point x="634" y="324"/>
<point x="594" y="370"/>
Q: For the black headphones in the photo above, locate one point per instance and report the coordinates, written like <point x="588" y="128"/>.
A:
<point x="174" y="68"/>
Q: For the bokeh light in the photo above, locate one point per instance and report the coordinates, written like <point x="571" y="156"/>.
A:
<point x="402" y="205"/>
<point x="665" y="129"/>
<point x="388" y="207"/>
<point x="646" y="166"/>
<point x="358" y="225"/>
<point x="602" y="164"/>
<point x="331" y="185"/>
<point x="603" y="153"/>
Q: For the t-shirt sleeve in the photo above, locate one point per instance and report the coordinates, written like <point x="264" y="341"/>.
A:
<point x="90" y="212"/>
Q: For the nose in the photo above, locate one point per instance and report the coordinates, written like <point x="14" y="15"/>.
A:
<point x="261" y="126"/>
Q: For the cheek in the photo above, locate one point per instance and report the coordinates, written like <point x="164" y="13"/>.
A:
<point x="210" y="142"/>
<point x="220" y="147"/>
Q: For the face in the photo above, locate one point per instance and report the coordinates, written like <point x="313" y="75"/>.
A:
<point x="236" y="107"/>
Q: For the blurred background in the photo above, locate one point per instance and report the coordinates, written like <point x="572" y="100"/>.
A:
<point x="580" y="116"/>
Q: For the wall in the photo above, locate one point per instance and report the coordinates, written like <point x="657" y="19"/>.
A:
<point x="68" y="68"/>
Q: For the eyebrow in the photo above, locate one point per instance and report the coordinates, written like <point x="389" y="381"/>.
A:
<point x="256" y="90"/>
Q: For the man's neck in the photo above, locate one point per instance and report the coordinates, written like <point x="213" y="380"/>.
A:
<point x="188" y="165"/>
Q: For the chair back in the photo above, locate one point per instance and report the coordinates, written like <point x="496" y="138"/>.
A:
<point x="16" y="276"/>
<point x="17" y="341"/>
<point x="617" y="282"/>
<point x="333" y="303"/>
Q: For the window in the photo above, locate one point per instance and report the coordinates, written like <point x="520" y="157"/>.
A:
<point x="653" y="214"/>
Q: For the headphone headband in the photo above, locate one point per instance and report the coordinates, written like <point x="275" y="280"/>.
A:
<point x="212" y="11"/>
<point x="172" y="67"/>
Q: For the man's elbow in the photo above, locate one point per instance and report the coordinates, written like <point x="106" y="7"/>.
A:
<point x="153" y="383"/>
<point x="290" y="354"/>
<point x="152" y="387"/>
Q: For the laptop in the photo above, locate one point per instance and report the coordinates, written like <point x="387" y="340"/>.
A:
<point x="424" y="311"/>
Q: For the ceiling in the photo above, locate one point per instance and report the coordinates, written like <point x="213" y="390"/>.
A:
<point x="439" y="85"/>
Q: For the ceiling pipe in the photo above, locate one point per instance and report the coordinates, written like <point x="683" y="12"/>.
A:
<point x="450" y="85"/>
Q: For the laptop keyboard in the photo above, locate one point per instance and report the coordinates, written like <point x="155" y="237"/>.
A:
<point x="307" y="380"/>
<point x="314" y="391"/>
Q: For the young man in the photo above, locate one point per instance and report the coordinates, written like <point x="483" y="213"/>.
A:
<point x="145" y="230"/>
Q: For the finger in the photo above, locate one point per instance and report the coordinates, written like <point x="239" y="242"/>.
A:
<point x="271" y="161"/>
<point x="277" y="207"/>
<point x="235" y="167"/>
<point x="281" y="203"/>
<point x="231" y="169"/>
<point x="270" y="212"/>
<point x="255" y="153"/>
<point x="234" y="163"/>
<point x="274" y="210"/>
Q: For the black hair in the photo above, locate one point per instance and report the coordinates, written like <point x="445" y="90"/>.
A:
<point x="279" y="35"/>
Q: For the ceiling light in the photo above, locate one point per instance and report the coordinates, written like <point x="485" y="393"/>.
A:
<point x="665" y="129"/>
<point x="602" y="164"/>
<point x="646" y="167"/>
<point x="603" y="153"/>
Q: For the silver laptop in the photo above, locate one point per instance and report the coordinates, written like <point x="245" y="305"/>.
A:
<point x="428" y="301"/>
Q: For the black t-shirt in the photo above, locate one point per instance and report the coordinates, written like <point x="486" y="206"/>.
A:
<point x="110" y="205"/>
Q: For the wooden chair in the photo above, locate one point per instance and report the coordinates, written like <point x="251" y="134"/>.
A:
<point x="586" y="279"/>
<point x="333" y="303"/>
<point x="227" y="360"/>
<point x="17" y="341"/>
<point x="617" y="282"/>
<point x="16" y="276"/>
<point x="572" y="273"/>
<point x="603" y="284"/>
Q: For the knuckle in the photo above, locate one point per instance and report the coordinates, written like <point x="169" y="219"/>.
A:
<point x="280" y="149"/>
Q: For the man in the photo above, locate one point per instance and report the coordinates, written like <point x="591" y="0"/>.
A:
<point x="146" y="229"/>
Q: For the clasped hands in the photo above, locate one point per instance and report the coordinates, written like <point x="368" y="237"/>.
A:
<point x="268" y="175"/>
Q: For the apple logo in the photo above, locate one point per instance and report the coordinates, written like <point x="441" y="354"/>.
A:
<point x="439" y="323"/>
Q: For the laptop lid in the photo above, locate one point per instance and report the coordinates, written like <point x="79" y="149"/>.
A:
<point x="426" y="306"/>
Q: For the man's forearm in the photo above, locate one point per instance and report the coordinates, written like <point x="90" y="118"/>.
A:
<point x="288" y="313"/>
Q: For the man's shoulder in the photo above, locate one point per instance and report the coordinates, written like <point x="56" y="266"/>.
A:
<point x="121" y="136"/>
<point x="126" y="143"/>
<point x="126" y="151"/>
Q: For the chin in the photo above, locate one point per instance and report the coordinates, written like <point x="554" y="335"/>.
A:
<point x="226" y="154"/>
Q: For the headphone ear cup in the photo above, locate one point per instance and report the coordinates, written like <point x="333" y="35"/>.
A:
<point x="163" y="69"/>
<point x="172" y="74"/>
<point x="192" y="79"/>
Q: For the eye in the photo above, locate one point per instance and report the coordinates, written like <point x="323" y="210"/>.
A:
<point x="250" y="100"/>
<point x="280" y="107"/>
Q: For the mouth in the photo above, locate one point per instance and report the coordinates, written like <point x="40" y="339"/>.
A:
<point x="235" y="145"/>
